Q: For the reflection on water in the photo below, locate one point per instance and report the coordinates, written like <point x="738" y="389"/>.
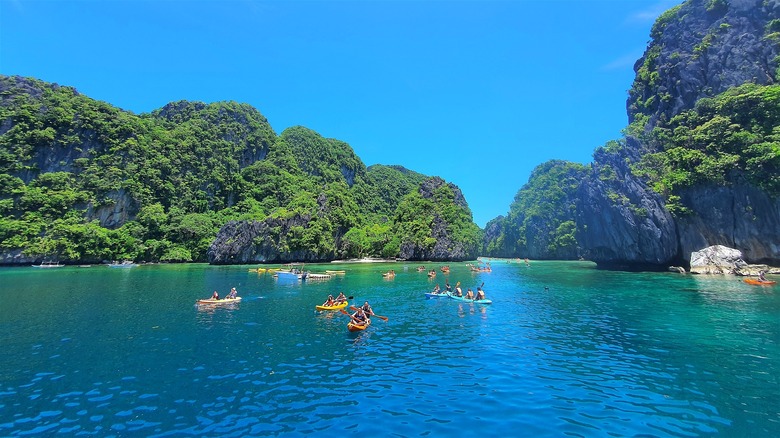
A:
<point x="564" y="350"/>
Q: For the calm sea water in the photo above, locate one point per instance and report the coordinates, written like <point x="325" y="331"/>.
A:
<point x="564" y="350"/>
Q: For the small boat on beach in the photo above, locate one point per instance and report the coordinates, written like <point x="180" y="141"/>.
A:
<point x="124" y="264"/>
<point x="48" y="265"/>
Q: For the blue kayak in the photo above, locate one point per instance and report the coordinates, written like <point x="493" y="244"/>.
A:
<point x="456" y="298"/>
<point x="433" y="295"/>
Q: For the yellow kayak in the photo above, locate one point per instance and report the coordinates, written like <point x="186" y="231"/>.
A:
<point x="220" y="301"/>
<point x="335" y="307"/>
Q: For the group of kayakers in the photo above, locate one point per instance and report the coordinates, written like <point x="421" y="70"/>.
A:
<point x="360" y="317"/>
<point x="470" y="295"/>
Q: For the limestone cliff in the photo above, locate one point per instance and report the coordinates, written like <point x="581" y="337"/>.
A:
<point x="699" y="50"/>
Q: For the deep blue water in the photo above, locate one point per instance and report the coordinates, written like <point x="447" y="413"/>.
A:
<point x="564" y="350"/>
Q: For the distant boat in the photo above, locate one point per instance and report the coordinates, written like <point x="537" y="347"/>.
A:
<point x="124" y="264"/>
<point x="291" y="271"/>
<point x="49" y="265"/>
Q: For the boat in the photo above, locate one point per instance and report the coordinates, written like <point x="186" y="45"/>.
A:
<point x="292" y="271"/>
<point x="48" y="265"/>
<point x="457" y="298"/>
<point x="221" y="301"/>
<point x="757" y="282"/>
<point x="316" y="276"/>
<point x="331" y="272"/>
<point x="124" y="264"/>
<point x="334" y="307"/>
<point x="433" y="295"/>
<point x="351" y="326"/>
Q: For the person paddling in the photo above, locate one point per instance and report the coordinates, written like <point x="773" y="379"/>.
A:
<point x="329" y="302"/>
<point x="367" y="309"/>
<point x="480" y="293"/>
<point x="359" y="317"/>
<point x="215" y="295"/>
<point x="761" y="275"/>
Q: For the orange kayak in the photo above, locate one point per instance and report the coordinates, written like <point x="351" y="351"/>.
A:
<point x="356" y="327"/>
<point x="757" y="282"/>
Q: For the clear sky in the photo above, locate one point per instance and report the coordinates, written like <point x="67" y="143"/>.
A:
<point x="477" y="92"/>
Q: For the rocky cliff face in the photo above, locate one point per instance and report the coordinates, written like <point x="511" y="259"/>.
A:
<point x="702" y="48"/>
<point x="699" y="49"/>
<point x="620" y="221"/>
<point x="443" y="231"/>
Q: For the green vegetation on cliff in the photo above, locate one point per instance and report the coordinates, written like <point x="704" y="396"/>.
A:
<point x="83" y="181"/>
<point x="541" y="222"/>
<point x="733" y="136"/>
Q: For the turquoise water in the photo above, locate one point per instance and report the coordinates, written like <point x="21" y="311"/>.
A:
<point x="564" y="350"/>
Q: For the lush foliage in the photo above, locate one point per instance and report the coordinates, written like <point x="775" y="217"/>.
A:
<point x="81" y="180"/>
<point x="541" y="221"/>
<point x="733" y="136"/>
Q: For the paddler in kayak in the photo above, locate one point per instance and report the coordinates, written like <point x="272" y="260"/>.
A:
<point x="458" y="291"/>
<point x="359" y="317"/>
<point x="366" y="308"/>
<point x="436" y="290"/>
<point x="341" y="298"/>
<point x="232" y="294"/>
<point x="761" y="275"/>
<point x="447" y="287"/>
<point x="480" y="293"/>
<point x="215" y="295"/>
<point x="329" y="302"/>
<point x="469" y="294"/>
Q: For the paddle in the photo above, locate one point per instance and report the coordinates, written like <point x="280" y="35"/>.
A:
<point x="383" y="318"/>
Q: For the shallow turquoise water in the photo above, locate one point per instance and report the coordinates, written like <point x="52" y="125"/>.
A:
<point x="125" y="352"/>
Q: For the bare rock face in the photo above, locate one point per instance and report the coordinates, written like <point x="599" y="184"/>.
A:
<point x="717" y="259"/>
<point x="699" y="49"/>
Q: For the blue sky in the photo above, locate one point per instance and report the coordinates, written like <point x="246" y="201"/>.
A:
<point x="477" y="92"/>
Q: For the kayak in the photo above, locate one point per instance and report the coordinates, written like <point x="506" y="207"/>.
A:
<point x="334" y="307"/>
<point x="433" y="295"/>
<point x="356" y="327"/>
<point x="757" y="282"/>
<point x="222" y="301"/>
<point x="456" y="298"/>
